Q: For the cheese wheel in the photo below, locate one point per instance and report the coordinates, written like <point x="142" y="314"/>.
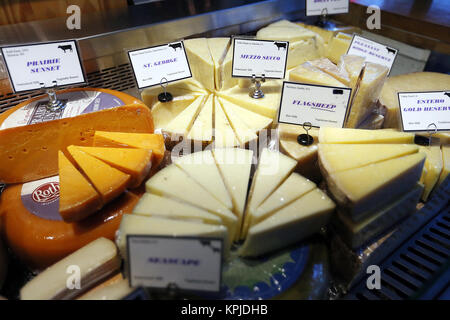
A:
<point x="35" y="231"/>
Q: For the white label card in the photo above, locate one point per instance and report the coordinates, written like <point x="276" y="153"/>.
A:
<point x="420" y="110"/>
<point x="319" y="7"/>
<point x="372" y="51"/>
<point x="191" y="264"/>
<point x="32" y="64"/>
<point x="322" y="106"/>
<point x="259" y="57"/>
<point x="151" y="65"/>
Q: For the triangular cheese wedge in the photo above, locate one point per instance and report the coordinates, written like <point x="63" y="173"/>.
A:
<point x="352" y="65"/>
<point x="182" y="123"/>
<point x="109" y="182"/>
<point x="202" y="129"/>
<point x="202" y="167"/>
<point x="77" y="198"/>
<point x="175" y="183"/>
<point x="252" y="120"/>
<point x="297" y="221"/>
<point x="360" y="136"/>
<point x="337" y="157"/>
<point x="154" y="205"/>
<point x="218" y="48"/>
<point x="273" y="168"/>
<point x="331" y="69"/>
<point x="307" y="73"/>
<point x="135" y="162"/>
<point x="226" y="81"/>
<point x="433" y="165"/>
<point x="200" y="61"/>
<point x="224" y="134"/>
<point x="164" y="112"/>
<point x="336" y="48"/>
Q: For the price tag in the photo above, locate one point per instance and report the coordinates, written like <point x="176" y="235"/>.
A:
<point x="32" y="64"/>
<point x="260" y="58"/>
<point x="319" y="7"/>
<point x="372" y="51"/>
<point x="168" y="61"/>
<point x="419" y="110"/>
<point x="322" y="106"/>
<point x="189" y="264"/>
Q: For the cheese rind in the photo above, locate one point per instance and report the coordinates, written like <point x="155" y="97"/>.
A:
<point x="361" y="136"/>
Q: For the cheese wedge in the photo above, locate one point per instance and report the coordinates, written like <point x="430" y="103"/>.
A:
<point x="294" y="187"/>
<point x="446" y="164"/>
<point x="252" y="120"/>
<point x="370" y="187"/>
<point x="109" y="182"/>
<point x="173" y="182"/>
<point x="285" y="33"/>
<point x="133" y="224"/>
<point x="157" y="206"/>
<point x="326" y="35"/>
<point x="337" y="47"/>
<point x="218" y="47"/>
<point x="77" y="198"/>
<point x="307" y="73"/>
<point x="115" y="288"/>
<point x="338" y="157"/>
<point x="150" y="141"/>
<point x="224" y="134"/>
<point x="96" y="261"/>
<point x="135" y="162"/>
<point x="235" y="166"/>
<point x="360" y="136"/>
<point x="164" y="112"/>
<point x="433" y="165"/>
<point x="273" y="168"/>
<point x="305" y="50"/>
<point x="182" y="123"/>
<point x="352" y="65"/>
<point x="200" y="61"/>
<point x="202" y="129"/>
<point x="226" y="81"/>
<point x="291" y="224"/>
<point x="331" y="69"/>
<point x="202" y="167"/>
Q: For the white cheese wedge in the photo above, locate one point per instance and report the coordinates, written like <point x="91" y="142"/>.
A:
<point x="372" y="186"/>
<point x="164" y="112"/>
<point x="235" y="166"/>
<point x="360" y="136"/>
<point x="307" y="73"/>
<point x="295" y="222"/>
<point x="446" y="164"/>
<point x="202" y="129"/>
<point x="182" y="123"/>
<point x="200" y="61"/>
<point x="218" y="48"/>
<point x="157" y="206"/>
<point x="340" y="157"/>
<point x="173" y="182"/>
<point x="273" y="168"/>
<point x="96" y="261"/>
<point x="433" y="165"/>
<point x="252" y="120"/>
<point x="226" y="81"/>
<point x="223" y="132"/>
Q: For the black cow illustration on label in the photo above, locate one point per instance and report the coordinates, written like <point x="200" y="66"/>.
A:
<point x="67" y="47"/>
<point x="390" y="50"/>
<point x="280" y="45"/>
<point x="447" y="94"/>
<point x="174" y="46"/>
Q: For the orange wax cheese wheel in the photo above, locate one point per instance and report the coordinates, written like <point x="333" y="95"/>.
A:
<point x="135" y="162"/>
<point x="154" y="142"/>
<point x="77" y="198"/>
<point x="30" y="152"/>
<point x="36" y="233"/>
<point x="108" y="181"/>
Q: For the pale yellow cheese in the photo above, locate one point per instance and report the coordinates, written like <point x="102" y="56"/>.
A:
<point x="304" y="50"/>
<point x="433" y="165"/>
<point x="331" y="69"/>
<point x="352" y="65"/>
<point x="218" y="48"/>
<point x="326" y="35"/>
<point x="200" y="61"/>
<point x="164" y="112"/>
<point x="307" y="73"/>
<point x="336" y="48"/>
<point x="182" y="123"/>
<point x="285" y="33"/>
<point x="446" y="164"/>
<point x="252" y="120"/>
<point x="202" y="129"/>
<point x="224" y="134"/>
<point x="361" y="136"/>
<point x="226" y="81"/>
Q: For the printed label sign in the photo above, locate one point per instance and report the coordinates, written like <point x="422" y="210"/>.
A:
<point x="190" y="264"/>
<point x="322" y="106"/>
<point x="372" y="51"/>
<point x="30" y="65"/>
<point x="259" y="57"/>
<point x="425" y="111"/>
<point x="319" y="7"/>
<point x="151" y="65"/>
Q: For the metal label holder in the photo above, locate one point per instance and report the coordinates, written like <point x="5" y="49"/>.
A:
<point x="53" y="104"/>
<point x="257" y="92"/>
<point x="305" y="139"/>
<point x="164" y="96"/>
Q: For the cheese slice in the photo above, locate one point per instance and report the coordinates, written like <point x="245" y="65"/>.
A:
<point x="202" y="167"/>
<point x="340" y="157"/>
<point x="252" y="120"/>
<point x="200" y="61"/>
<point x="294" y="187"/>
<point x="433" y="165"/>
<point x="226" y="81"/>
<point x="218" y="47"/>
<point x="77" y="198"/>
<point x="135" y="162"/>
<point x="95" y="261"/>
<point x="337" y="47"/>
<point x="273" y="168"/>
<point x="307" y="73"/>
<point x="109" y="182"/>
<point x="157" y="206"/>
<point x="375" y="185"/>
<point x="298" y="220"/>
<point x="352" y="65"/>
<point x="150" y="141"/>
<point x="175" y="183"/>
<point x="164" y="112"/>
<point x="235" y="166"/>
<point x="360" y="136"/>
<point x="115" y="288"/>
<point x="446" y="164"/>
<point x="202" y="129"/>
<point x="325" y="65"/>
<point x="133" y="224"/>
<point x="182" y="123"/>
<point x="224" y="134"/>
